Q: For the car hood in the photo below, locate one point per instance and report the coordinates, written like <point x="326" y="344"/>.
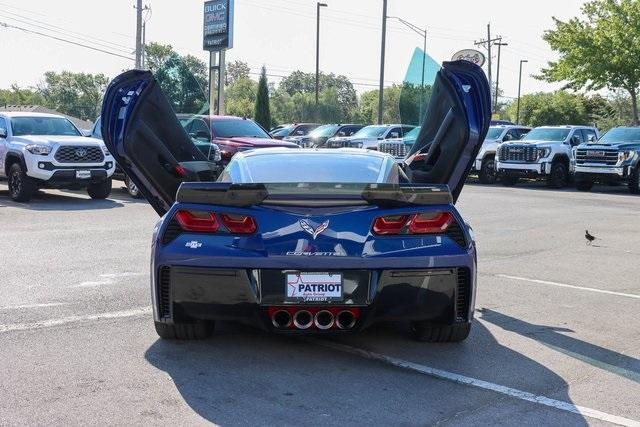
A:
<point x="256" y="142"/>
<point x="620" y="146"/>
<point x="532" y="142"/>
<point x="57" y="140"/>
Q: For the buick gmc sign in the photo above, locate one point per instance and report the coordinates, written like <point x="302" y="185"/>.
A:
<point x="218" y="25"/>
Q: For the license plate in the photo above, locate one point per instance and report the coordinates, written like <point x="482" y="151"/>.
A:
<point x="83" y="174"/>
<point x="314" y="287"/>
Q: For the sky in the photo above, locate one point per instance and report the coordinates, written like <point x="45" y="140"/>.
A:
<point x="280" y="34"/>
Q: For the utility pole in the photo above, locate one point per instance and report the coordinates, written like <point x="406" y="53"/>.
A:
<point x="138" y="33"/>
<point x="384" y="36"/>
<point x="318" y="6"/>
<point x="144" y="43"/>
<point x="519" y="86"/>
<point x="487" y="45"/>
<point x="495" y="104"/>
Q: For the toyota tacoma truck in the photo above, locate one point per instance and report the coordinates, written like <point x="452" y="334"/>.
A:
<point x="545" y="153"/>
<point x="39" y="150"/>
<point x="614" y="158"/>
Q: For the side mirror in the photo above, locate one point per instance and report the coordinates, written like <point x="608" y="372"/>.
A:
<point x="592" y="139"/>
<point x="523" y="135"/>
<point x="202" y="135"/>
<point x="394" y="135"/>
<point x="3" y="133"/>
<point x="575" y="140"/>
<point x="507" y="137"/>
<point x="341" y="133"/>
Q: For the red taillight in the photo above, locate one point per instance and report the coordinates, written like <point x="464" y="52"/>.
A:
<point x="181" y="171"/>
<point x="430" y="223"/>
<point x="421" y="223"/>
<point x="239" y="224"/>
<point x="385" y="225"/>
<point x="198" y="221"/>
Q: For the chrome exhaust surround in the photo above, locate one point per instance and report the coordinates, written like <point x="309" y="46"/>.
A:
<point x="281" y="319"/>
<point x="323" y="319"/>
<point x="303" y="319"/>
<point x="345" y="320"/>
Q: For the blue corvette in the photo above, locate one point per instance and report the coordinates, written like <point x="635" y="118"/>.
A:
<point x="307" y="240"/>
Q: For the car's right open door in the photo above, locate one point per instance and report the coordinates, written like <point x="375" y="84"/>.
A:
<point x="454" y="126"/>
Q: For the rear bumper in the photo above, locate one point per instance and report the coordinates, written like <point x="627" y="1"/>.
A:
<point x="441" y="294"/>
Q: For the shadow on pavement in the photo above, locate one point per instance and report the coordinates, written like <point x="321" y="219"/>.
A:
<point x="554" y="338"/>
<point x="45" y="201"/>
<point x="620" y="189"/>
<point x="245" y="376"/>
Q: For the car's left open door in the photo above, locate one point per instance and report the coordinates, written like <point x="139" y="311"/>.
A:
<point x="142" y="132"/>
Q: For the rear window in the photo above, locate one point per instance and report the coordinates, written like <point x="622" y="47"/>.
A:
<point x="231" y="128"/>
<point x="283" y="168"/>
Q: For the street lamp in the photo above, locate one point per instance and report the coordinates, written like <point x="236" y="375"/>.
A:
<point x="423" y="34"/>
<point x="318" y="6"/>
<point x="519" y="86"/>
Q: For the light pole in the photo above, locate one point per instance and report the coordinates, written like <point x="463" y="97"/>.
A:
<point x="423" y="34"/>
<point x="382" y="47"/>
<point x="318" y="6"/>
<point x="519" y="87"/>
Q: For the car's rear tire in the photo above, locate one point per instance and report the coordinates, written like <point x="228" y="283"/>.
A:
<point x="584" y="185"/>
<point x="559" y="176"/>
<point x="509" y="180"/>
<point x="101" y="190"/>
<point x="634" y="181"/>
<point x="132" y="188"/>
<point x="21" y="186"/>
<point x="488" y="174"/>
<point x="185" y="331"/>
<point x="427" y="332"/>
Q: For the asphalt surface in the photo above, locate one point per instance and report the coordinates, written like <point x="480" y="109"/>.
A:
<point x="556" y="340"/>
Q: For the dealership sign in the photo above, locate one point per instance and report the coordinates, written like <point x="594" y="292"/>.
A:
<point x="470" y="55"/>
<point x="218" y="25"/>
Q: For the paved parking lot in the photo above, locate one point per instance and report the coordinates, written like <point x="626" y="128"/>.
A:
<point x="556" y="338"/>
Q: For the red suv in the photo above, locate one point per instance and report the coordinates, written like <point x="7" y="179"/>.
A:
<point x="231" y="134"/>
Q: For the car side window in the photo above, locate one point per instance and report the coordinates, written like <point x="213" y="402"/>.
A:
<point x="348" y="130"/>
<point x="576" y="138"/>
<point x="589" y="135"/>
<point x="199" y="129"/>
<point x="3" y="124"/>
<point x="394" y="133"/>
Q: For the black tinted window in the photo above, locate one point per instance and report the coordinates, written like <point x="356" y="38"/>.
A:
<point x="235" y="127"/>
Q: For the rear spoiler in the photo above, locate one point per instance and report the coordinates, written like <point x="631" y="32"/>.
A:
<point x="313" y="194"/>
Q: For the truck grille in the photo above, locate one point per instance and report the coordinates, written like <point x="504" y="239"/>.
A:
<point x="590" y="155"/>
<point x="337" y="144"/>
<point x="79" y="154"/>
<point x="396" y="149"/>
<point x="518" y="153"/>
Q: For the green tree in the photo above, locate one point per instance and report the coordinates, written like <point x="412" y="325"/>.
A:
<point x="236" y="70"/>
<point x="16" y="95"/>
<point x="553" y="108"/>
<point x="183" y="79"/>
<point x="599" y="51"/>
<point x="240" y="97"/>
<point x="262" y="114"/>
<point x="76" y="94"/>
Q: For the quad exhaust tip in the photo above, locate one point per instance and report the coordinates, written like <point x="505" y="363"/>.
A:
<point x="345" y="319"/>
<point x="281" y="319"/>
<point x="323" y="319"/>
<point x="303" y="319"/>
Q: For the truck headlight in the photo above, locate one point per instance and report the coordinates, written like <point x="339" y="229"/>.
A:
<point x="40" y="149"/>
<point x="623" y="156"/>
<point x="543" y="152"/>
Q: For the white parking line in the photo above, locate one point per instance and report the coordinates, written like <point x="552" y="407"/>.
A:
<point x="135" y="312"/>
<point x="461" y="379"/>
<point x="21" y="306"/>
<point x="107" y="279"/>
<point x="565" y="285"/>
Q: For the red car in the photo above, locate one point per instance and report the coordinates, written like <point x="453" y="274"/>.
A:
<point x="230" y="133"/>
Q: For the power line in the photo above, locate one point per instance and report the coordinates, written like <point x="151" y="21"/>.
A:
<point x="4" y="24"/>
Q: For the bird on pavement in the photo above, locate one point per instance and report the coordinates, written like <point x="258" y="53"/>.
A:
<point x="589" y="237"/>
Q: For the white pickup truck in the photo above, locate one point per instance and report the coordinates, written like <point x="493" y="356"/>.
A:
<point x="40" y="150"/>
